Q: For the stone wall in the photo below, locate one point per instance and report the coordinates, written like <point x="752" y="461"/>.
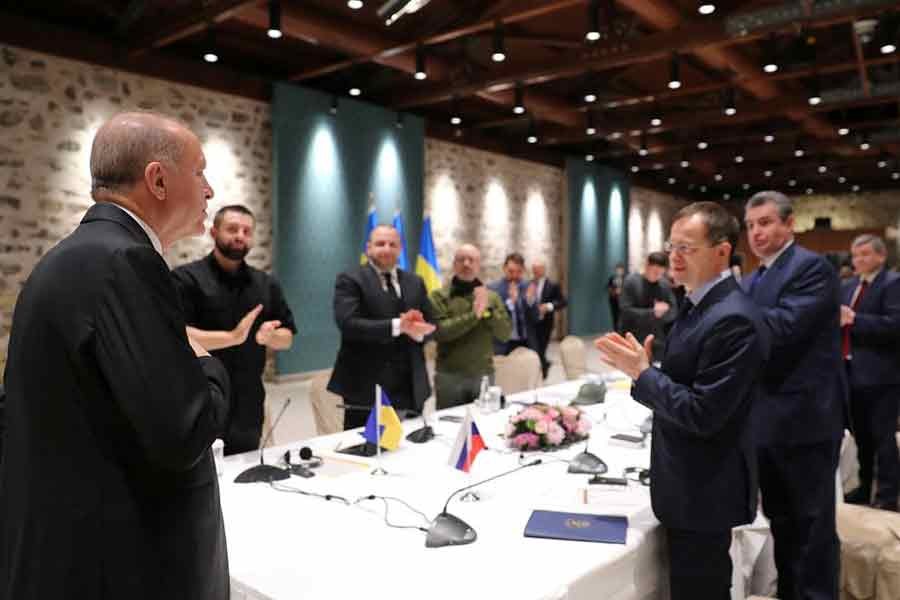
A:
<point x="852" y="211"/>
<point x="49" y="110"/>
<point x="498" y="203"/>
<point x="649" y="219"/>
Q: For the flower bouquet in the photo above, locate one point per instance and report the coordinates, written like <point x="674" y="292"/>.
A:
<point x="542" y="426"/>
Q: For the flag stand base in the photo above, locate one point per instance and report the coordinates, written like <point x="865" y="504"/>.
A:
<point x="470" y="496"/>
<point x="378" y="471"/>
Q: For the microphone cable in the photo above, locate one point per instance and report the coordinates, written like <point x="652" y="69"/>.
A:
<point x="280" y="487"/>
<point x="387" y="521"/>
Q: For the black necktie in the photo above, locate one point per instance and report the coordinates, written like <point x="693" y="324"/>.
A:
<point x="684" y="309"/>
<point x="390" y="285"/>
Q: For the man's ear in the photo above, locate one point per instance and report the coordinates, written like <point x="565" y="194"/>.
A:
<point x="155" y="180"/>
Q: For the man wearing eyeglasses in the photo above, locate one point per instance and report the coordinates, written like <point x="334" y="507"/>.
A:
<point x="702" y="459"/>
<point x="800" y="419"/>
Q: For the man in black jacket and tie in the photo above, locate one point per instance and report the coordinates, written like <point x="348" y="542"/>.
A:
<point x="547" y="297"/>
<point x="383" y="314"/>
<point x="702" y="458"/>
<point x="108" y="487"/>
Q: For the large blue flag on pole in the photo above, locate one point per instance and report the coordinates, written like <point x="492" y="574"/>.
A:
<point x="398" y="225"/>
<point x="371" y="223"/>
<point x="427" y="263"/>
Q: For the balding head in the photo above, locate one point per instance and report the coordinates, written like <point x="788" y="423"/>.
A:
<point x="467" y="262"/>
<point x="127" y="143"/>
<point x="153" y="166"/>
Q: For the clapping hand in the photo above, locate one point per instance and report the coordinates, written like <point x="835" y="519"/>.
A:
<point x="480" y="303"/>
<point x="625" y="353"/>
<point x="413" y="324"/>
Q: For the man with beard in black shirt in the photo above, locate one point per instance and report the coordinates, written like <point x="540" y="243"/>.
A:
<point x="236" y="312"/>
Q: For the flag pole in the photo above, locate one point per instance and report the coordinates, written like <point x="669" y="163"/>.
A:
<point x="471" y="495"/>
<point x="378" y="470"/>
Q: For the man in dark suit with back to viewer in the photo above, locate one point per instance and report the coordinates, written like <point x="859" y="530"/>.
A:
<point x="702" y="461"/>
<point x="383" y="314"/>
<point x="108" y="487"/>
<point x="800" y="420"/>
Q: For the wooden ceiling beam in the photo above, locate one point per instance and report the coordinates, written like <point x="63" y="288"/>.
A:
<point x="394" y="48"/>
<point x="188" y="25"/>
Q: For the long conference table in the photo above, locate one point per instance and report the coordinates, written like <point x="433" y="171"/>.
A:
<point x="285" y="545"/>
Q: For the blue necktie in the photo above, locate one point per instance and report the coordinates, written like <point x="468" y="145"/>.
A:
<point x="756" y="277"/>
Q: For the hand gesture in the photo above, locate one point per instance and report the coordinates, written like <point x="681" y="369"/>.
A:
<point x="660" y="308"/>
<point x="480" y="303"/>
<point x="413" y="324"/>
<point x="848" y="316"/>
<point x="265" y="331"/>
<point x="242" y="330"/>
<point x="196" y="347"/>
<point x="512" y="290"/>
<point x="625" y="353"/>
<point x="530" y="293"/>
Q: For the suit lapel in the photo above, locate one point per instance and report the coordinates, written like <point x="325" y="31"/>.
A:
<point x="767" y="288"/>
<point x="866" y="303"/>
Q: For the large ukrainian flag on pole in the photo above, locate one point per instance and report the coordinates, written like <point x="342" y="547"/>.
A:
<point x="398" y="225"/>
<point x="426" y="263"/>
<point x="371" y="222"/>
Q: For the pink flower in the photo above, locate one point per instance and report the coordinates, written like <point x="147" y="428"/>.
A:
<point x="584" y="425"/>
<point x="526" y="440"/>
<point x="553" y="413"/>
<point x="555" y="434"/>
<point x="542" y="426"/>
<point x="569" y="423"/>
<point x="531" y="414"/>
<point x="570" y="412"/>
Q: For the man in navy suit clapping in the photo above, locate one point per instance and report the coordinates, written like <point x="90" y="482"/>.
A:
<point x="801" y="418"/>
<point x="870" y="343"/>
<point x="703" y="464"/>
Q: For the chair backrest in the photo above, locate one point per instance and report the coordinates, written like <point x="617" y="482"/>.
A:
<point x="518" y="372"/>
<point x="328" y="417"/>
<point x="574" y="357"/>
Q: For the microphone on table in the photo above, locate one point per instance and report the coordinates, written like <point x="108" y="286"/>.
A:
<point x="262" y="471"/>
<point x="450" y="530"/>
<point x="587" y="463"/>
<point x="422" y="434"/>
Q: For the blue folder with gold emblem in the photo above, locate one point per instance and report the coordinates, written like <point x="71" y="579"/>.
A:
<point x="577" y="526"/>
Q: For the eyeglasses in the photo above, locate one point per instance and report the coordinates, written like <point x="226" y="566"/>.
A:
<point x="685" y="249"/>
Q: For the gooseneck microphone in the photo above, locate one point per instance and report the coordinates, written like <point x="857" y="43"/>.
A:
<point x="450" y="530"/>
<point x="262" y="471"/>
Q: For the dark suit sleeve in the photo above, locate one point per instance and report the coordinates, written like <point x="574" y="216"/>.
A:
<point x="883" y="326"/>
<point x="808" y="300"/>
<point x="558" y="299"/>
<point x="187" y="293"/>
<point x="670" y="315"/>
<point x="729" y="360"/>
<point x="348" y="314"/>
<point x="280" y="308"/>
<point x="628" y="300"/>
<point x="176" y="403"/>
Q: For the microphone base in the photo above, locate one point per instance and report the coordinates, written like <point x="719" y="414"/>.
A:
<point x="265" y="473"/>
<point x="587" y="464"/>
<point x="364" y="449"/>
<point x="449" y="530"/>
<point x="421" y="435"/>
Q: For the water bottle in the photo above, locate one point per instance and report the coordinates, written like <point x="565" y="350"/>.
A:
<point x="481" y="401"/>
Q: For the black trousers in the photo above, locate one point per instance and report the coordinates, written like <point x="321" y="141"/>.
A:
<point x="874" y="412"/>
<point x="544" y="330"/>
<point x="699" y="564"/>
<point x="798" y="487"/>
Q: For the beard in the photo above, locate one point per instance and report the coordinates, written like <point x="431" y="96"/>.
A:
<point x="231" y="252"/>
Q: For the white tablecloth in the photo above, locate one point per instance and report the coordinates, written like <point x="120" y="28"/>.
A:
<point x="289" y="546"/>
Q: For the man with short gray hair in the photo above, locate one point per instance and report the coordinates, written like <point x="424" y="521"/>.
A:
<point x="800" y="418"/>
<point x="108" y="487"/>
<point x="870" y="334"/>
